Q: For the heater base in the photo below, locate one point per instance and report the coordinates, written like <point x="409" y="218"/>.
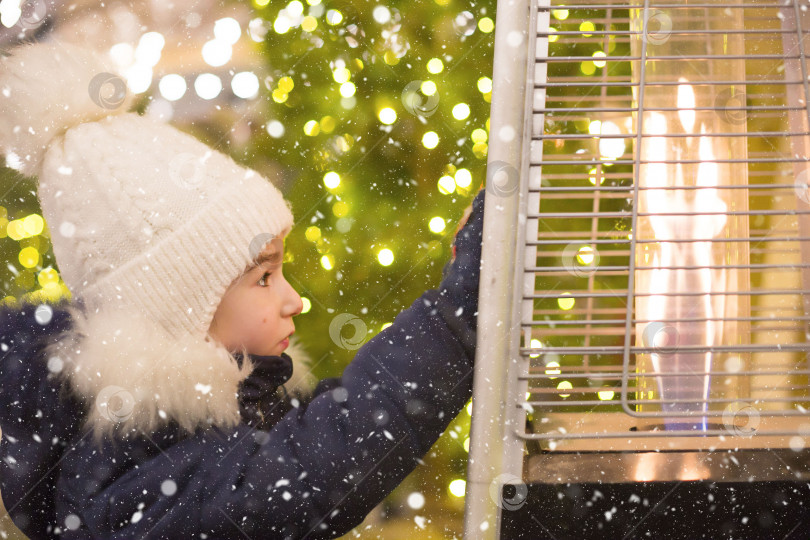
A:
<point x="675" y="510"/>
<point x="742" y="465"/>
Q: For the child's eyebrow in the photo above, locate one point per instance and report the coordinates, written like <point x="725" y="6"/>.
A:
<point x="263" y="258"/>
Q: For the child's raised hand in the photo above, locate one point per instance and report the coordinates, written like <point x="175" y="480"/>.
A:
<point x="459" y="286"/>
<point x="465" y="216"/>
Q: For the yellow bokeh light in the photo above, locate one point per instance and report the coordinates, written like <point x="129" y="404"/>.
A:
<point x="587" y="67"/>
<point x="486" y="25"/>
<point x="564" y="385"/>
<point x="340" y="209"/>
<point x="312" y="233"/>
<point x="436" y="225"/>
<point x="430" y="140"/>
<point x="279" y="95"/>
<point x="435" y="65"/>
<point x="560" y="14"/>
<point x="387" y="115"/>
<point x="535" y="344"/>
<point x="295" y="8"/>
<point x="463" y="178"/>
<point x="551" y="37"/>
<point x="469" y="407"/>
<point x="553" y="369"/>
<point x="467" y="444"/>
<point x="309" y="24"/>
<point x="341" y="75"/>
<point x="281" y="25"/>
<point x="385" y="325"/>
<point x="391" y="58"/>
<point x="566" y="302"/>
<point x="344" y="142"/>
<point x="33" y="224"/>
<point x="595" y="127"/>
<point x="260" y="3"/>
<point x="585" y="255"/>
<point x="29" y="257"/>
<point x="385" y="257"/>
<point x="447" y="185"/>
<point x="461" y="111"/>
<point x="484" y="85"/>
<point x="328" y="262"/>
<point x="457" y="487"/>
<point x="286" y="84"/>
<point x="593" y="177"/>
<point x="327" y="124"/>
<point x="307" y="304"/>
<point x="48" y="277"/>
<point x="15" y="229"/>
<point x="334" y="17"/>
<point x="480" y="150"/>
<point x="331" y="180"/>
<point x="599" y="63"/>
<point x="479" y="136"/>
<point x="428" y="88"/>
<point x="586" y="26"/>
<point x="312" y="128"/>
<point x="606" y="395"/>
<point x="347" y="89"/>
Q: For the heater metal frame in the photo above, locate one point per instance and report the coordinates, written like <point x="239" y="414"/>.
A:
<point x="499" y="436"/>
<point x="496" y="453"/>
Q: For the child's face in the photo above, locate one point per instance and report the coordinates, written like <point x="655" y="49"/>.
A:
<point x="257" y="309"/>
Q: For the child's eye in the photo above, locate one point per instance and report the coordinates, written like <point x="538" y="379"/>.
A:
<point x="264" y="277"/>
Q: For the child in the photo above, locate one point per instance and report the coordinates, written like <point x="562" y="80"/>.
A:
<point x="170" y="354"/>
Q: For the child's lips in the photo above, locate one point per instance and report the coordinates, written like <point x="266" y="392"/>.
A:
<point x="286" y="341"/>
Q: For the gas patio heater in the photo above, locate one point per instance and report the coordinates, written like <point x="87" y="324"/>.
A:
<point x="646" y="278"/>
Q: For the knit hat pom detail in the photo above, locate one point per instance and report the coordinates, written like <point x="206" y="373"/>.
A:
<point x="47" y="88"/>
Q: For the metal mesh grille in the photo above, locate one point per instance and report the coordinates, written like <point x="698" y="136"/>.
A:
<point x="668" y="223"/>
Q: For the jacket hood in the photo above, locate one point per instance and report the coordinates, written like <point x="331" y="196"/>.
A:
<point x="133" y="377"/>
<point x="40" y="415"/>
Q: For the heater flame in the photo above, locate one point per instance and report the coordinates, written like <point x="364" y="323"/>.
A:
<point x="684" y="220"/>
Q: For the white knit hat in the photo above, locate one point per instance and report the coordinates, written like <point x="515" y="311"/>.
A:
<point x="139" y="211"/>
<point x="144" y="218"/>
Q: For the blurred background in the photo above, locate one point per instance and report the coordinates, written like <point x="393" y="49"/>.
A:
<point x="372" y="118"/>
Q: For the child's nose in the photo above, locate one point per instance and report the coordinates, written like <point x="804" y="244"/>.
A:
<point x="299" y="304"/>
<point x="294" y="301"/>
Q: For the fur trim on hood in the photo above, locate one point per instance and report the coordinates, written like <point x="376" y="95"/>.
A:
<point x="132" y="376"/>
<point x="303" y="381"/>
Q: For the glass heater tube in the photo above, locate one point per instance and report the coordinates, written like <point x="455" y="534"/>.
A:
<point x="677" y="272"/>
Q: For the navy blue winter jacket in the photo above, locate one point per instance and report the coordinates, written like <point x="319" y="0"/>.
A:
<point x="314" y="470"/>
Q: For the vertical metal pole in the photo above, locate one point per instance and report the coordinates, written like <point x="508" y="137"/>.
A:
<point x="794" y="20"/>
<point x="798" y="122"/>
<point x="498" y="328"/>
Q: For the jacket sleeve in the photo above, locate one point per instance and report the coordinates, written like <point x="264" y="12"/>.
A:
<point x="320" y="470"/>
<point x="37" y="417"/>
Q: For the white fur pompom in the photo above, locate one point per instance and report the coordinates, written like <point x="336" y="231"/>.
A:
<point x="47" y="88"/>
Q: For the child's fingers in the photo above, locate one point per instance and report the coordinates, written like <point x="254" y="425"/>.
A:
<point x="463" y="221"/>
